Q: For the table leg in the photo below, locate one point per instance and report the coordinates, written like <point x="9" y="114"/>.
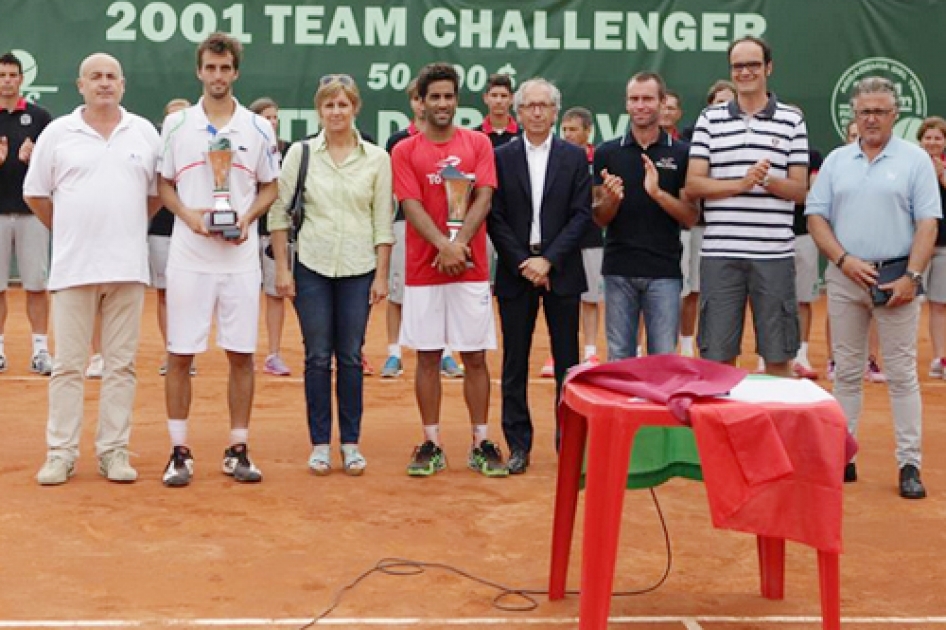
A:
<point x="772" y="566"/>
<point x="574" y="434"/>
<point x="609" y="454"/>
<point x="829" y="577"/>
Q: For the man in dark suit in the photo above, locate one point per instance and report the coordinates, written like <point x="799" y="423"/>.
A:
<point x="540" y="211"/>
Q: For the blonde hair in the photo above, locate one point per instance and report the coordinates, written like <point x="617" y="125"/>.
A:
<point x="176" y="104"/>
<point x="332" y="85"/>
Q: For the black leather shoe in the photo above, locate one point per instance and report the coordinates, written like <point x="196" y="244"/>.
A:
<point x="518" y="462"/>
<point x="910" y="485"/>
<point x="850" y="472"/>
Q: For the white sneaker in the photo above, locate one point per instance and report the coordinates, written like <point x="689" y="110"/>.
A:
<point x="55" y="471"/>
<point x="114" y="466"/>
<point x="42" y="363"/>
<point x="96" y="367"/>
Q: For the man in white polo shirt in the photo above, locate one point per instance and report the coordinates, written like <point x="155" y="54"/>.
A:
<point x="92" y="181"/>
<point x="749" y="163"/>
<point x="210" y="272"/>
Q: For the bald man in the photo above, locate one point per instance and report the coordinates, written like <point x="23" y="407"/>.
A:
<point x="92" y="182"/>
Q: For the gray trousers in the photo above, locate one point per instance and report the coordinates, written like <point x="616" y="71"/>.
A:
<point x="850" y="311"/>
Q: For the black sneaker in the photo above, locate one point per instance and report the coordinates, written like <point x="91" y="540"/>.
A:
<point x="426" y="460"/>
<point x="850" y="472"/>
<point x="910" y="485"/>
<point x="237" y="464"/>
<point x="487" y="459"/>
<point x="180" y="468"/>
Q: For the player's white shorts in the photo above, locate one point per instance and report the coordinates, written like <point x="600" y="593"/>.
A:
<point x="459" y="314"/>
<point x="193" y="300"/>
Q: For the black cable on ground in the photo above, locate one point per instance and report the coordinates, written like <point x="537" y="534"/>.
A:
<point x="402" y="567"/>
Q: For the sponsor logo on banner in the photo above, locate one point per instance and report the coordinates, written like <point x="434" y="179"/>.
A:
<point x="31" y="92"/>
<point x="911" y="95"/>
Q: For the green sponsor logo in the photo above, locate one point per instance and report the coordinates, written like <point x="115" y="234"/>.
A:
<point x="910" y="95"/>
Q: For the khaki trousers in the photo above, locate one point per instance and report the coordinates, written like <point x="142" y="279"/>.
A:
<point x="74" y="311"/>
<point x="850" y="311"/>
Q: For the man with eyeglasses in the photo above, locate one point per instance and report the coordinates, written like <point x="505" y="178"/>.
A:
<point x="208" y="276"/>
<point x="749" y="163"/>
<point x="873" y="209"/>
<point x="640" y="198"/>
<point x="541" y="209"/>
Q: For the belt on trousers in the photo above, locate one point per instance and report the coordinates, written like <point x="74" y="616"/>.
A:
<point x="535" y="248"/>
<point x="880" y="264"/>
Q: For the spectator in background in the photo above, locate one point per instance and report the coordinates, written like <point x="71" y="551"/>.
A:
<point x="932" y="137"/>
<point x="692" y="240"/>
<point x="577" y="126"/>
<point x="344" y="251"/>
<point x="275" y="304"/>
<point x="22" y="235"/>
<point x="499" y="123"/>
<point x="670" y="114"/>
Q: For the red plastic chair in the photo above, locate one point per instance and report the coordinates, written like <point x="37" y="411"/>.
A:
<point x="608" y="423"/>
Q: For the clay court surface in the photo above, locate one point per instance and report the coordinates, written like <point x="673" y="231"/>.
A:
<point x="218" y="554"/>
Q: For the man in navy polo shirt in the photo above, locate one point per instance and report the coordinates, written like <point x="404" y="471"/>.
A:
<point x="640" y="198"/>
<point x="21" y="233"/>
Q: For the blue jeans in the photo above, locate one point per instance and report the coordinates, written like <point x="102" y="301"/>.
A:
<point x="626" y="298"/>
<point x="333" y="316"/>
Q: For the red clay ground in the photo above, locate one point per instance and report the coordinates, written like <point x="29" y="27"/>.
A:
<point x="91" y="550"/>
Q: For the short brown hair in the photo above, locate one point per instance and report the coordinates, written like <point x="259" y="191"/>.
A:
<point x="641" y="77"/>
<point x="718" y="87"/>
<point x="219" y="44"/>
<point x="933" y="122"/>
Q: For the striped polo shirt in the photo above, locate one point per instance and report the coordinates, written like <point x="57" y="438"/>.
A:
<point x="754" y="224"/>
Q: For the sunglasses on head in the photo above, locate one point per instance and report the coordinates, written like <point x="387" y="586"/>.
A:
<point x="344" y="79"/>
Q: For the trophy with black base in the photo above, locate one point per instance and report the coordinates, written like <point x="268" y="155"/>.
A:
<point x="222" y="220"/>
<point x="459" y="187"/>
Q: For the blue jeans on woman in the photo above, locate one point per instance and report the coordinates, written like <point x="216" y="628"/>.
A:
<point x="333" y="316"/>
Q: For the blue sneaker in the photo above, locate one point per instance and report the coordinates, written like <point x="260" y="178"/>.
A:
<point x="392" y="368"/>
<point x="450" y="369"/>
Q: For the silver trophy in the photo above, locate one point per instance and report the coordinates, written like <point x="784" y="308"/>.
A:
<point x="459" y="187"/>
<point x="222" y="219"/>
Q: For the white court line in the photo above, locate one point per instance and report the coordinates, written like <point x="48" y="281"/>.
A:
<point x="691" y="623"/>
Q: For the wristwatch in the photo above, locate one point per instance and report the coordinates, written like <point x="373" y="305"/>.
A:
<point x="915" y="276"/>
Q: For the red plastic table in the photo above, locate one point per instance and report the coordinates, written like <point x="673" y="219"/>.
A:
<point x="812" y="431"/>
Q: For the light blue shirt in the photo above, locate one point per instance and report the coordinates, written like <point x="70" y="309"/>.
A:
<point x="873" y="206"/>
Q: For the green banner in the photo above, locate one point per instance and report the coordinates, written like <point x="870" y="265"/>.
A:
<point x="589" y="48"/>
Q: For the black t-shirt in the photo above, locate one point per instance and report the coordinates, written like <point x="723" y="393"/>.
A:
<point x="500" y="138"/>
<point x="403" y="134"/>
<point x="941" y="224"/>
<point x="800" y="226"/>
<point x="25" y="121"/>
<point x="643" y="241"/>
<point x="594" y="235"/>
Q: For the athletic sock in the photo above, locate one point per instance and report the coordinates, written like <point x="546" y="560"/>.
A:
<point x="590" y="351"/>
<point x="1" y="344"/>
<point x="480" y="433"/>
<point x="40" y="342"/>
<point x="802" y="356"/>
<point x="178" y="432"/>
<point x="686" y="345"/>
<point x="394" y="350"/>
<point x="432" y="433"/>
<point x="239" y="436"/>
<point x="447" y="352"/>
